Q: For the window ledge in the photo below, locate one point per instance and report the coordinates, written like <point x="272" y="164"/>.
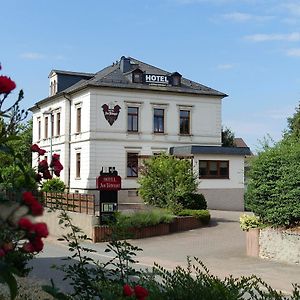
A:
<point x="77" y="178"/>
<point x="185" y="134"/>
<point x="159" y="133"/>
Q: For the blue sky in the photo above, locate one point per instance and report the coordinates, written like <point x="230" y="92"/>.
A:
<point x="249" y="49"/>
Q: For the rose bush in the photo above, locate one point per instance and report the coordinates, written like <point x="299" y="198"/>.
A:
<point x="20" y="236"/>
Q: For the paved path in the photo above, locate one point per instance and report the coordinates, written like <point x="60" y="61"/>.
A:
<point x="221" y="247"/>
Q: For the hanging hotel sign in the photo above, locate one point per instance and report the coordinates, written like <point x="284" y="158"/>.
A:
<point x="156" y="79"/>
<point x="108" y="183"/>
<point x="111" y="112"/>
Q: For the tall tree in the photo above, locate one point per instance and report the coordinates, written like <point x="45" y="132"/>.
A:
<point x="227" y="137"/>
<point x="294" y="123"/>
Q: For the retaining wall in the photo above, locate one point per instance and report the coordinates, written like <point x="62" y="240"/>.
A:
<point x="280" y="245"/>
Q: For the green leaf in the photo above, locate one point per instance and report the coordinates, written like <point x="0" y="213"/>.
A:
<point x="7" y="276"/>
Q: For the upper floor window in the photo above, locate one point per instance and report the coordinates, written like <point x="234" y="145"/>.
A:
<point x="58" y="123"/>
<point x="78" y="119"/>
<point x="132" y="119"/>
<point x="214" y="169"/>
<point x="158" y="120"/>
<point x="46" y="127"/>
<point x="132" y="164"/>
<point x="184" y="122"/>
<point x="39" y="124"/>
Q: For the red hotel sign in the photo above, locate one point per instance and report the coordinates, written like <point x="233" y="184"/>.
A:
<point x="108" y="183"/>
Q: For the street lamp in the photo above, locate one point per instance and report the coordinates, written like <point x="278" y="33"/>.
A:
<point x="50" y="112"/>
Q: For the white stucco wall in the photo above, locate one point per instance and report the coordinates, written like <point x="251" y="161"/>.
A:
<point x="236" y="172"/>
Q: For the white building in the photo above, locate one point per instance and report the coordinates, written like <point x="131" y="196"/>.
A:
<point x="130" y="110"/>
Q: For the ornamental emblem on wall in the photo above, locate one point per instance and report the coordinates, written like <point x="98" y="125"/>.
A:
<point x="111" y="112"/>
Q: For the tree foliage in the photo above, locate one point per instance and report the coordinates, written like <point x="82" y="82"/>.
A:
<point x="294" y="123"/>
<point x="16" y="156"/>
<point x="54" y="185"/>
<point x="273" y="191"/>
<point x="227" y="137"/>
<point x="165" y="178"/>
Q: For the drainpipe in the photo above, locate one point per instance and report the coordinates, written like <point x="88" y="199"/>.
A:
<point x="67" y="96"/>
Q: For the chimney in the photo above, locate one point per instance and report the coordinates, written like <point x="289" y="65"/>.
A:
<point x="125" y="65"/>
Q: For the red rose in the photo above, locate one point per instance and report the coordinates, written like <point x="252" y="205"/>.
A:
<point x="57" y="168"/>
<point x="34" y="148"/>
<point x="43" y="166"/>
<point x="28" y="247"/>
<point x="28" y="198"/>
<point x="140" y="292"/>
<point x="6" y="85"/>
<point x="55" y="156"/>
<point x="47" y="174"/>
<point x="127" y="290"/>
<point x="41" y="151"/>
<point x="2" y="252"/>
<point x="41" y="229"/>
<point x="25" y="224"/>
<point x="36" y="209"/>
<point x="37" y="244"/>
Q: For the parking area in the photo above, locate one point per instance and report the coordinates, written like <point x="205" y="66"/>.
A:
<point x="221" y="247"/>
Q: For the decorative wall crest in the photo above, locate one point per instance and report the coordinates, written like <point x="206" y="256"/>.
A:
<point x="111" y="112"/>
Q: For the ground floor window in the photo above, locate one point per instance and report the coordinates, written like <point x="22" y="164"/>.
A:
<point x="78" y="164"/>
<point x="213" y="169"/>
<point x="132" y="164"/>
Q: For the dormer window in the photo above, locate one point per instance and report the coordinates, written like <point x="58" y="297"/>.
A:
<point x="53" y="87"/>
<point x="176" y="79"/>
<point x="137" y="76"/>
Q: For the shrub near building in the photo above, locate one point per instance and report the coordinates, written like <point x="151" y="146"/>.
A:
<point x="164" y="179"/>
<point x="273" y="190"/>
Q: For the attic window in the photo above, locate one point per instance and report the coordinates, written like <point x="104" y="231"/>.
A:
<point x="137" y="78"/>
<point x="176" y="79"/>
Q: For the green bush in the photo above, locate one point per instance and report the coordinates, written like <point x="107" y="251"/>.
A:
<point x="195" y="282"/>
<point x="193" y="201"/>
<point x="273" y="190"/>
<point x="202" y="214"/>
<point x="247" y="222"/>
<point x="165" y="178"/>
<point x="145" y="218"/>
<point x="54" y="185"/>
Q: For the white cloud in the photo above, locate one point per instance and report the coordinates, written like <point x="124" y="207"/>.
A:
<point x="243" y="17"/>
<point x="225" y="66"/>
<point x="293" y="52"/>
<point x="32" y="55"/>
<point x="290" y="37"/>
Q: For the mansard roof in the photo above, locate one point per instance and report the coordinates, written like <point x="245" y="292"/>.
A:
<point x="116" y="76"/>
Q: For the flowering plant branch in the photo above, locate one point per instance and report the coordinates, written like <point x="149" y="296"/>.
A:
<point x="20" y="236"/>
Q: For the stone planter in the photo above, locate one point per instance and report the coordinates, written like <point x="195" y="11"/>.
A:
<point x="252" y="242"/>
<point x="103" y="233"/>
<point x="144" y="232"/>
<point x="184" y="223"/>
